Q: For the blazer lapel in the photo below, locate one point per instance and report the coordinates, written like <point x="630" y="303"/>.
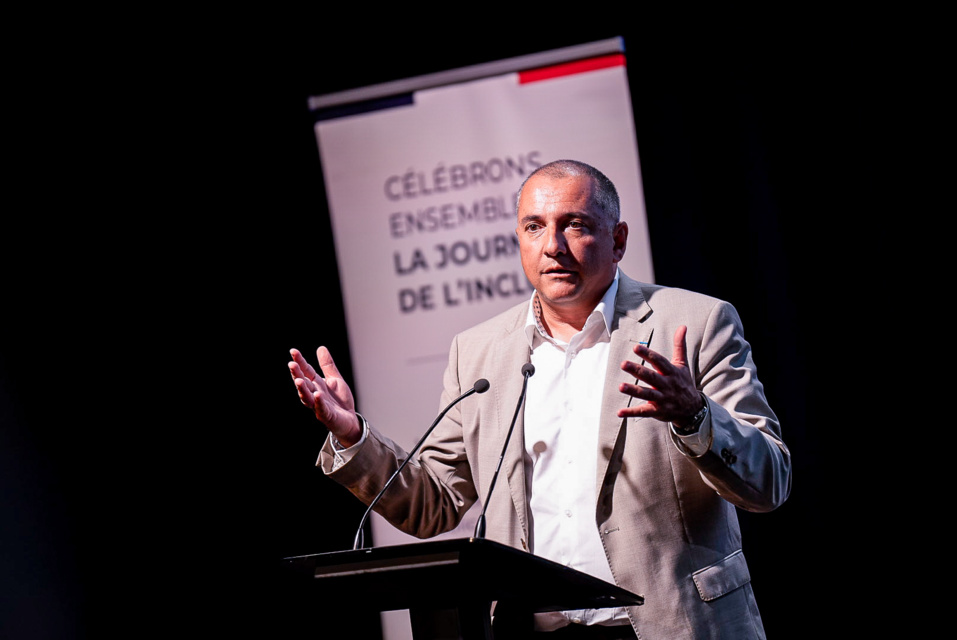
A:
<point x="628" y="329"/>
<point x="512" y="355"/>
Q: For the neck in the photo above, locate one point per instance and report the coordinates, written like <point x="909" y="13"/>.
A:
<point x="563" y="324"/>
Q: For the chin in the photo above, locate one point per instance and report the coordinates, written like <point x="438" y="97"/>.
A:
<point x="562" y="297"/>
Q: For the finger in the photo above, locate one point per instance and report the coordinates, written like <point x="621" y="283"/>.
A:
<point x="327" y="364"/>
<point x="298" y="374"/>
<point x="653" y="358"/>
<point x="295" y="371"/>
<point x="679" y="356"/>
<point x="308" y="384"/>
<point x="630" y="412"/>
<point x="297" y="364"/>
<point x="306" y="393"/>
<point x="643" y="410"/>
<point x="305" y="368"/>
<point x="645" y="374"/>
<point x="642" y="393"/>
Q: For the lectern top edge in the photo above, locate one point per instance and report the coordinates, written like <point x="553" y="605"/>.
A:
<point x="455" y="571"/>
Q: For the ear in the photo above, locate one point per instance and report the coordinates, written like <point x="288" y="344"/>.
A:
<point x="620" y="235"/>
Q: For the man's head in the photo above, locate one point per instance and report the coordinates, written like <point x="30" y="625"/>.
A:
<point x="605" y="194"/>
<point x="570" y="235"/>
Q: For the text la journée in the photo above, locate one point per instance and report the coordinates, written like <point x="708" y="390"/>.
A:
<point x="459" y="253"/>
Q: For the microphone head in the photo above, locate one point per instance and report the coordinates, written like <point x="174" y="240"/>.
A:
<point x="528" y="369"/>
<point x="481" y="385"/>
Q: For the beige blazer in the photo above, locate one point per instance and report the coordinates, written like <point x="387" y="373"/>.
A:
<point x="667" y="519"/>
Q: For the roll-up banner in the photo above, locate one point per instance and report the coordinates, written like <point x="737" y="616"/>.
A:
<point x="421" y="176"/>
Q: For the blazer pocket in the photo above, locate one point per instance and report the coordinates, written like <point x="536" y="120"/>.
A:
<point x="722" y="577"/>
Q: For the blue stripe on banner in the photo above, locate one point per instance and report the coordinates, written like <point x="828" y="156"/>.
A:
<point x="366" y="106"/>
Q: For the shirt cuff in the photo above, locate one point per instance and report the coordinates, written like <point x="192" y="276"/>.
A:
<point x="698" y="443"/>
<point x="341" y="454"/>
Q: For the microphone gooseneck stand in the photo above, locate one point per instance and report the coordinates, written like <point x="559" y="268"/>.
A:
<point x="481" y="386"/>
<point x="528" y="369"/>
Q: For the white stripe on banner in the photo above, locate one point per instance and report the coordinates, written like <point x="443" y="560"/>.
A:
<point x="421" y="176"/>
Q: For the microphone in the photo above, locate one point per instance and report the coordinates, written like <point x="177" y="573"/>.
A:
<point x="481" y="386"/>
<point x="528" y="370"/>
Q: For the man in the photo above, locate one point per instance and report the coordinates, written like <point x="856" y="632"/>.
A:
<point x="627" y="465"/>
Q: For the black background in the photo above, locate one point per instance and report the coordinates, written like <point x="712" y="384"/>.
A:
<point x="156" y="463"/>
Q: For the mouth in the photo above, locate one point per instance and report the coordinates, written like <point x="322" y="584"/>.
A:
<point x="558" y="272"/>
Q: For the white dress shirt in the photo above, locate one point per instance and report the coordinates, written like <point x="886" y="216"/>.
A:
<point x="562" y="412"/>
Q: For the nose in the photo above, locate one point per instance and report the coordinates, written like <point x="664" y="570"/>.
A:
<point x="555" y="243"/>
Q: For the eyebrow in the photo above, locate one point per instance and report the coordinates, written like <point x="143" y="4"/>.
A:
<point x="534" y="217"/>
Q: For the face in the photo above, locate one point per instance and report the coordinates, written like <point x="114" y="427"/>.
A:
<point x="570" y="250"/>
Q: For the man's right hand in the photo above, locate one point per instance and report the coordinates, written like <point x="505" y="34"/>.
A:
<point x="328" y="395"/>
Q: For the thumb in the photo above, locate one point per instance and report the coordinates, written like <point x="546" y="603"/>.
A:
<point x="326" y="363"/>
<point x="679" y="355"/>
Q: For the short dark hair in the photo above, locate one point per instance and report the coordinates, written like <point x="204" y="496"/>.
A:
<point x="605" y="194"/>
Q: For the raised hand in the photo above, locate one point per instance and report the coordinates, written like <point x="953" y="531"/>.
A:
<point x="328" y="395"/>
<point x="670" y="394"/>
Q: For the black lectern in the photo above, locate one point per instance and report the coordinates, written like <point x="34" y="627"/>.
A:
<point x="448" y="586"/>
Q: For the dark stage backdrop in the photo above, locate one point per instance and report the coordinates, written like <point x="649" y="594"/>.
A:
<point x="192" y="471"/>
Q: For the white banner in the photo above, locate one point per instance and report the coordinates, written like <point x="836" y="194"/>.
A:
<point x="421" y="177"/>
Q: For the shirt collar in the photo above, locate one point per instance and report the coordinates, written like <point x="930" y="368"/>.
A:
<point x="605" y="309"/>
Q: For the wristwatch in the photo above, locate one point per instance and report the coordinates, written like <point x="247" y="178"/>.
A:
<point x="696" y="421"/>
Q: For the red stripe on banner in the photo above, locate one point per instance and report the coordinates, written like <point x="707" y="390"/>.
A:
<point x="571" y="68"/>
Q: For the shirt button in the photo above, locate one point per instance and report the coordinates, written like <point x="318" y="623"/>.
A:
<point x="568" y="513"/>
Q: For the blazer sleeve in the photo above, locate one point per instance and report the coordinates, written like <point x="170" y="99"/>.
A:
<point x="746" y="462"/>
<point x="434" y="490"/>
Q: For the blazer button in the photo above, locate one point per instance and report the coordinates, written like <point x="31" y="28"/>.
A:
<point x="729" y="458"/>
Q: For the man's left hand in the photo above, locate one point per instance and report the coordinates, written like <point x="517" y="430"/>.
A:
<point x="670" y="394"/>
